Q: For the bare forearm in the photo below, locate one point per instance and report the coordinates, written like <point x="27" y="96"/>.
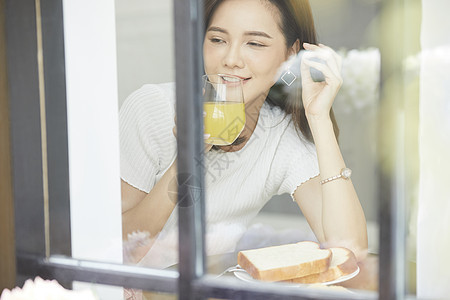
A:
<point x="343" y="219"/>
<point x="152" y="212"/>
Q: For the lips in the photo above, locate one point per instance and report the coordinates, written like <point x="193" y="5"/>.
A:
<point x="234" y="78"/>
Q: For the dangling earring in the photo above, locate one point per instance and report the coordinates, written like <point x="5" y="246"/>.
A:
<point x="288" y="77"/>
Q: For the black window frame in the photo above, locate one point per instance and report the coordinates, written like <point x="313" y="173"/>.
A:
<point x="39" y="142"/>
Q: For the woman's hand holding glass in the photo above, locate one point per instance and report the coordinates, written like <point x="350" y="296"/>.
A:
<point x="205" y="136"/>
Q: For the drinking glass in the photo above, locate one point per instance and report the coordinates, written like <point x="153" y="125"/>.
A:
<point x="224" y="116"/>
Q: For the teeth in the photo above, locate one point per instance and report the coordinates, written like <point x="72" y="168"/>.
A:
<point x="231" y="79"/>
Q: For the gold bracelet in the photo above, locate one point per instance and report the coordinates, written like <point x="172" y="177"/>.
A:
<point x="345" y="174"/>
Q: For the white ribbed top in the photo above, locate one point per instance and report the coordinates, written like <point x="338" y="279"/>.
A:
<point x="238" y="184"/>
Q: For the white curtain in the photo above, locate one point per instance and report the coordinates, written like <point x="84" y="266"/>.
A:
<point x="433" y="230"/>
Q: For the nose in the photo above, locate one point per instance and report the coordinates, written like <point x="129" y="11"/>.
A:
<point x="233" y="58"/>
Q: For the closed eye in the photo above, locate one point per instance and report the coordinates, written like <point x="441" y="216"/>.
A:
<point x="216" y="40"/>
<point x="256" y="44"/>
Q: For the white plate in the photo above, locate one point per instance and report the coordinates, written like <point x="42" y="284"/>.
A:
<point x="242" y="275"/>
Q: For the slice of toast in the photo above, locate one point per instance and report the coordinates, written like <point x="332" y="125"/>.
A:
<point x="285" y="262"/>
<point x="343" y="263"/>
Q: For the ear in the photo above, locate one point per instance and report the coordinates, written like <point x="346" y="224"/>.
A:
<point x="294" y="49"/>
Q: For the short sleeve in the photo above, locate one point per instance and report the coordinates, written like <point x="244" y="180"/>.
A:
<point x="295" y="162"/>
<point x="147" y="143"/>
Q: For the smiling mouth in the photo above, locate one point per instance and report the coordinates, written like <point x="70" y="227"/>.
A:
<point x="234" y="79"/>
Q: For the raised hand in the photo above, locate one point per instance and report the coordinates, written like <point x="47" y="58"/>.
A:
<point x="319" y="96"/>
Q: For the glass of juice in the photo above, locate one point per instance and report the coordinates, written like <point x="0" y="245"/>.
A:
<point x="224" y="117"/>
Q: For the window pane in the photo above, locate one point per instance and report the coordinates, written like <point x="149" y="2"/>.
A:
<point x="118" y="58"/>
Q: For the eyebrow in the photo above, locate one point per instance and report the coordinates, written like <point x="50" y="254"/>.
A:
<point x="251" y="33"/>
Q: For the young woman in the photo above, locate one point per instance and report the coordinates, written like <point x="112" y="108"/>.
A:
<point x="288" y="145"/>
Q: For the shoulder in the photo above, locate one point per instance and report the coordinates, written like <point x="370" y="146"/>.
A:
<point x="149" y="111"/>
<point x="282" y="132"/>
<point x="295" y="161"/>
<point x="293" y="144"/>
<point x="147" y="143"/>
<point x="150" y="94"/>
<point x="166" y="90"/>
<point x="272" y="116"/>
<point x="149" y="105"/>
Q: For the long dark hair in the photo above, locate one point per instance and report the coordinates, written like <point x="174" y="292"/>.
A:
<point x="297" y="23"/>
